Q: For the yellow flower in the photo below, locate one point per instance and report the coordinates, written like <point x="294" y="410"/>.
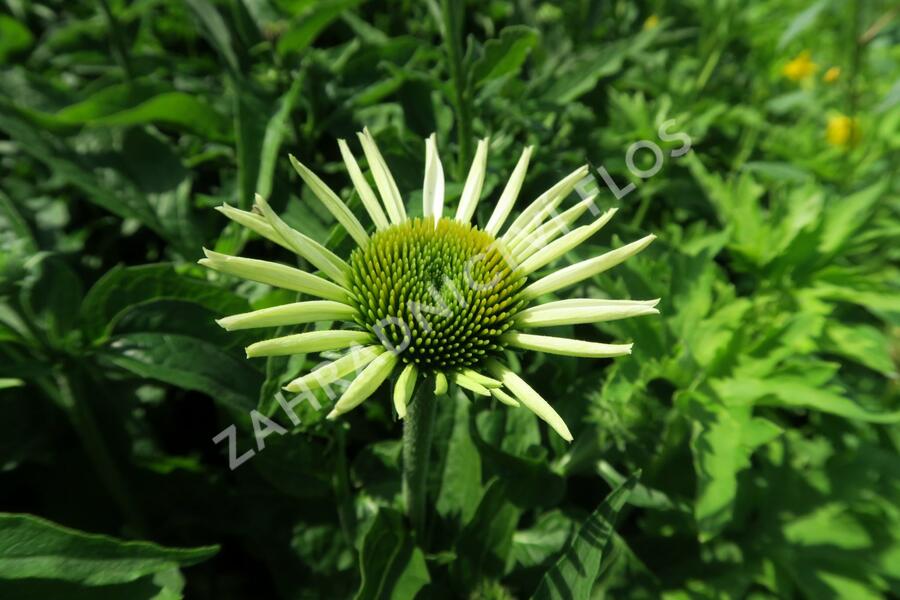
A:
<point x="651" y="22"/>
<point x="842" y="131"/>
<point x="831" y="75"/>
<point x="800" y="67"/>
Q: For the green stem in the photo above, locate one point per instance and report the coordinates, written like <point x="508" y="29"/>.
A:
<point x="451" y="12"/>
<point x="417" y="430"/>
<point x="74" y="399"/>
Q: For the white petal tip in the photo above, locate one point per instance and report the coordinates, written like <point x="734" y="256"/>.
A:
<point x="334" y="414"/>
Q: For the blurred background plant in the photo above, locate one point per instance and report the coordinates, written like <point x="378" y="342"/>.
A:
<point x="762" y="407"/>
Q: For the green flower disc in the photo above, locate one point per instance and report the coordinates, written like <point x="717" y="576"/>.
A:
<point x="438" y="296"/>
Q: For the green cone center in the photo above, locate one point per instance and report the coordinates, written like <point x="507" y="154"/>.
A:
<point x="439" y="295"/>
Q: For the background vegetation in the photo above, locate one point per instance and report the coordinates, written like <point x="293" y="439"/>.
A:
<point x="761" y="406"/>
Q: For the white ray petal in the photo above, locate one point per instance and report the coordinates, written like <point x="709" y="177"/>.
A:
<point x="384" y="181"/>
<point x="559" y="247"/>
<point x="440" y="384"/>
<point x="365" y="384"/>
<point x="369" y="200"/>
<point x="474" y="182"/>
<point x="484" y="380"/>
<point x="311" y="341"/>
<point x="289" y="314"/>
<point x="403" y="389"/>
<point x="332" y="202"/>
<point x="586" y="268"/>
<point x="274" y="274"/>
<point x="558" y="313"/>
<point x="433" y="185"/>
<point x="469" y="384"/>
<point x="564" y="346"/>
<point x="254" y="222"/>
<point x="354" y="360"/>
<point x="505" y="398"/>
<point x="318" y="255"/>
<point x="525" y="245"/>
<point x="530" y="398"/>
<point x="510" y="193"/>
<point x="546" y="203"/>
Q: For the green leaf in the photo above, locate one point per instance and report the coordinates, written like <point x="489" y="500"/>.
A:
<point x="50" y="296"/>
<point x="845" y="217"/>
<point x="14" y="37"/>
<point x="392" y="567"/>
<point x="795" y="392"/>
<point x="311" y="23"/>
<point x="536" y="545"/>
<point x="864" y="344"/>
<point x="122" y="287"/>
<point x="485" y="543"/>
<point x="574" y="574"/>
<point x="723" y="440"/>
<point x="802" y="22"/>
<point x="276" y="130"/>
<point x="140" y="103"/>
<point x="504" y="55"/>
<point x="215" y="29"/>
<point x="188" y="363"/>
<point x="461" y="476"/>
<point x="31" y="547"/>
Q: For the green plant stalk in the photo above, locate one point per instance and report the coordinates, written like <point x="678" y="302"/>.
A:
<point x="453" y="45"/>
<point x="73" y="398"/>
<point x="417" y="432"/>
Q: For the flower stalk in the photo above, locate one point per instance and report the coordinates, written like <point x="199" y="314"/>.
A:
<point x="418" y="426"/>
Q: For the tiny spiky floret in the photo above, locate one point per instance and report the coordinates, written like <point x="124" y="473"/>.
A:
<point x="443" y="293"/>
<point x="433" y="296"/>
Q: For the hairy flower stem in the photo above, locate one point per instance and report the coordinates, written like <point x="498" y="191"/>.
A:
<point x="417" y="430"/>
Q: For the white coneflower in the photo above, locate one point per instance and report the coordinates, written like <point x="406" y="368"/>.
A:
<point x="434" y="295"/>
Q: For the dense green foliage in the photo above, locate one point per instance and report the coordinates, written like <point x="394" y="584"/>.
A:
<point x="761" y="407"/>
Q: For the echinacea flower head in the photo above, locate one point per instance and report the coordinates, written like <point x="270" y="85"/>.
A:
<point x="432" y="296"/>
<point x="800" y="68"/>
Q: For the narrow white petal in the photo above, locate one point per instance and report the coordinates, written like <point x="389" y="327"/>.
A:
<point x="510" y="193"/>
<point x="318" y="255"/>
<point x="440" y="384"/>
<point x="484" y="380"/>
<point x="332" y="202"/>
<point x="557" y="313"/>
<point x="474" y="182"/>
<point x="564" y="346"/>
<point x="384" y="181"/>
<point x="369" y="200"/>
<point x="433" y="186"/>
<point x="530" y="398"/>
<point x="527" y="244"/>
<point x="311" y="341"/>
<point x="546" y="203"/>
<point x="255" y="223"/>
<point x="354" y="360"/>
<point x="403" y="389"/>
<point x="469" y="384"/>
<point x="289" y="314"/>
<point x="504" y="398"/>
<point x="274" y="274"/>
<point x="586" y="268"/>
<point x="559" y="247"/>
<point x="365" y="384"/>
